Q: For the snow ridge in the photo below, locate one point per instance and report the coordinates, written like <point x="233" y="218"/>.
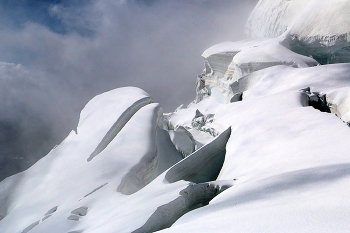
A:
<point x="119" y="124"/>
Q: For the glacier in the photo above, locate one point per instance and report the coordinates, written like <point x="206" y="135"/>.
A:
<point x="319" y="28"/>
<point x="264" y="147"/>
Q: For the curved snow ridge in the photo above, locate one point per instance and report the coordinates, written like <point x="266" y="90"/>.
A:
<point x="161" y="155"/>
<point x="204" y="164"/>
<point x="192" y="197"/>
<point x="143" y="172"/>
<point x="119" y="124"/>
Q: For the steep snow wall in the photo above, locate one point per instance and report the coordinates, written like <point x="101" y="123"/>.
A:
<point x="271" y="18"/>
<point x="319" y="29"/>
<point x="203" y="165"/>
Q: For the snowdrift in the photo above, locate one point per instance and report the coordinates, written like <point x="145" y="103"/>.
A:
<point x="264" y="147"/>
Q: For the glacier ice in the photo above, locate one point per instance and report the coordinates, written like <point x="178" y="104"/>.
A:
<point x="183" y="141"/>
<point x="254" y="130"/>
<point x="319" y="28"/>
<point x="203" y="165"/>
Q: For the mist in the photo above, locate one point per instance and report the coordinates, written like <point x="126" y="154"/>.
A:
<point x="57" y="55"/>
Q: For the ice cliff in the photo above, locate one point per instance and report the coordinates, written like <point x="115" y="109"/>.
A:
<point x="319" y="28"/>
<point x="264" y="147"/>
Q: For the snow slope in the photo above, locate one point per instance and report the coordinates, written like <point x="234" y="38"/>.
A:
<point x="264" y="147"/>
<point x="319" y="28"/>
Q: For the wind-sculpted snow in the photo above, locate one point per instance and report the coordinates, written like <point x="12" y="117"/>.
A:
<point x="63" y="178"/>
<point x="331" y="80"/>
<point x="241" y="58"/>
<point x="203" y="165"/>
<point x="217" y="65"/>
<point x="119" y="124"/>
<point x="295" y="156"/>
<point x="272" y="18"/>
<point x="267" y="55"/>
<point x="161" y="155"/>
<point x="307" y="200"/>
<point x="318" y="28"/>
<point x="192" y="197"/>
<point x="281" y="144"/>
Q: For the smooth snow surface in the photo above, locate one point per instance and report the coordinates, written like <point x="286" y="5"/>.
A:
<point x="264" y="147"/>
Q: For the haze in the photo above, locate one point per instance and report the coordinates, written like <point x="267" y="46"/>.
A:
<point x="56" y="55"/>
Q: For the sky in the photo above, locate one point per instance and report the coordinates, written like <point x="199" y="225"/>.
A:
<point x="55" y="55"/>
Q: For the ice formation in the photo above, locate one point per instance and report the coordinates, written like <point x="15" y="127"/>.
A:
<point x="263" y="147"/>
<point x="318" y="28"/>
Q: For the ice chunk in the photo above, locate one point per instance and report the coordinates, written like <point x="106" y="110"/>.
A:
<point x="182" y="141"/>
<point x="203" y="165"/>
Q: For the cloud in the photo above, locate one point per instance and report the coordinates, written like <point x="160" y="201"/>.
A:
<point x="74" y="50"/>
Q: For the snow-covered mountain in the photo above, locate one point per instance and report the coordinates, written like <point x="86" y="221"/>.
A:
<point x="264" y="147"/>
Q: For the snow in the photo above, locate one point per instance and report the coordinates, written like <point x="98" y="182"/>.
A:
<point x="272" y="18"/>
<point x="309" y="23"/>
<point x="203" y="165"/>
<point x="266" y="55"/>
<point x="290" y="162"/>
<point x="263" y="148"/>
<point x="64" y="177"/>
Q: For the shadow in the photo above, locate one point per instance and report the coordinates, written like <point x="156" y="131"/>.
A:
<point x="293" y="181"/>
